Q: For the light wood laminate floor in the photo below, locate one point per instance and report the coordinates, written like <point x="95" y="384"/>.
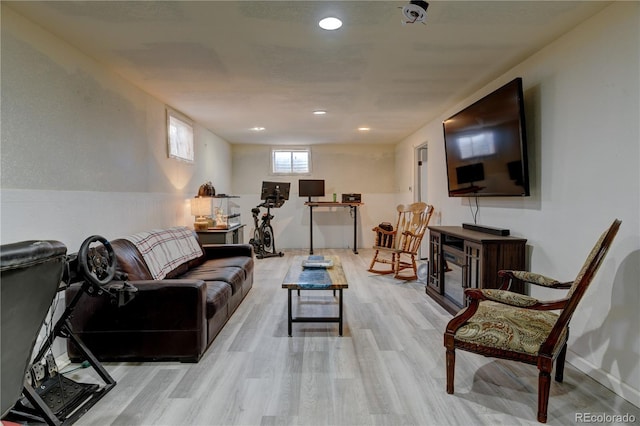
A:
<point x="387" y="369"/>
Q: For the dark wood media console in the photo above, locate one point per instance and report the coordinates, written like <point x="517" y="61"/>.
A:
<point x="461" y="258"/>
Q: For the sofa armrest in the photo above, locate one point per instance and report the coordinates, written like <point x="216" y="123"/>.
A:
<point x="219" y="251"/>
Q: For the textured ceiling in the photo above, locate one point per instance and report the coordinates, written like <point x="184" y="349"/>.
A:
<point x="234" y="65"/>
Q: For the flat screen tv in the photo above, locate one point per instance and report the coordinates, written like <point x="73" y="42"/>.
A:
<point x="486" y="146"/>
<point x="311" y="187"/>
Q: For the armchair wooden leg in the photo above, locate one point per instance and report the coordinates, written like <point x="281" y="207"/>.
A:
<point x="544" y="385"/>
<point x="451" y="366"/>
<point x="560" y="364"/>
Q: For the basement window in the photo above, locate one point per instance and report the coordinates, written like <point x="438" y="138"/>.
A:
<point x="180" y="139"/>
<point x="290" y="161"/>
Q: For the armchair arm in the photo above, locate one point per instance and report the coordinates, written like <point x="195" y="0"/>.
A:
<point x="509" y="298"/>
<point x="514" y="299"/>
<point x="460" y="319"/>
<point x="533" y="278"/>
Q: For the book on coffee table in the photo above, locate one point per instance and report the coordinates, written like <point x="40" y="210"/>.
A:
<point x="317" y="263"/>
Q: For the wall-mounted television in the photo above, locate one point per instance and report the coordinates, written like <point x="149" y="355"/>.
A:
<point x="486" y="146"/>
<point x="311" y="187"/>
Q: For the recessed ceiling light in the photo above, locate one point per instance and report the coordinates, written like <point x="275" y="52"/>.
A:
<point x="257" y="129"/>
<point x="330" y="23"/>
<point x="364" y="129"/>
<point x="319" y="112"/>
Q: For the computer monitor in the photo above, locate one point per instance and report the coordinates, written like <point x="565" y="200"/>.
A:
<point x="276" y="192"/>
<point x="311" y="187"/>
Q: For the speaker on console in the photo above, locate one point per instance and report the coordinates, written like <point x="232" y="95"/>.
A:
<point x="486" y="229"/>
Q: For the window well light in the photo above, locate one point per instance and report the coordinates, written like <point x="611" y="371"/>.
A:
<point x="330" y="23"/>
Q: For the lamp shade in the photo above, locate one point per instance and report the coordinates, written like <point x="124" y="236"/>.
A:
<point x="201" y="206"/>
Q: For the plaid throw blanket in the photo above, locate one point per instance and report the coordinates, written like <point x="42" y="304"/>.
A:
<point x="165" y="249"/>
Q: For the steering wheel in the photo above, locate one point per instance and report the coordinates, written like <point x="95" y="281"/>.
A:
<point x="97" y="264"/>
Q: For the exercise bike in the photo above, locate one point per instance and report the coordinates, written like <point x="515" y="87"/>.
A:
<point x="263" y="241"/>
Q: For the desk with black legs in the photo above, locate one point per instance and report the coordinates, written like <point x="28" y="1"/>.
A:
<point x="354" y="212"/>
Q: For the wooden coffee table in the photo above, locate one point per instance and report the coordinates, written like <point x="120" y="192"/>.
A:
<point x="300" y="278"/>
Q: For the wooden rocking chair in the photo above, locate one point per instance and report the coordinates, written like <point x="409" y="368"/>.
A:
<point x="399" y="247"/>
<point x="502" y="324"/>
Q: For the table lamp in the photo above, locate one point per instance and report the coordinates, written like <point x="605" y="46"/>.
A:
<point x="201" y="208"/>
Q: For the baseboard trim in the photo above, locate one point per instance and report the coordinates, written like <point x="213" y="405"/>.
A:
<point x="62" y="361"/>
<point x="605" y="379"/>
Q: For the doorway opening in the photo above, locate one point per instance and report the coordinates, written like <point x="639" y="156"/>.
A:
<point x="421" y="189"/>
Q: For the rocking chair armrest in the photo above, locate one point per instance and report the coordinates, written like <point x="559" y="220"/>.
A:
<point x="383" y="231"/>
<point x="514" y="299"/>
<point x="533" y="278"/>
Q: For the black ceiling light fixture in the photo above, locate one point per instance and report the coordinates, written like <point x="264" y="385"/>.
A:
<point x="414" y="11"/>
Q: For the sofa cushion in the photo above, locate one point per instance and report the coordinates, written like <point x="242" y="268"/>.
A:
<point x="508" y="328"/>
<point x="242" y="262"/>
<point x="211" y="271"/>
<point x="218" y="294"/>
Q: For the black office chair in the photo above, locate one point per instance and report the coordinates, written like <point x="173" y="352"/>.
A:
<point x="30" y="273"/>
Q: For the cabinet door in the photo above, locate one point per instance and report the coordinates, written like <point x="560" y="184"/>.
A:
<point x="228" y="237"/>
<point x="501" y="255"/>
<point x="472" y="266"/>
<point x="435" y="262"/>
<point x="238" y="236"/>
<point x="455" y="275"/>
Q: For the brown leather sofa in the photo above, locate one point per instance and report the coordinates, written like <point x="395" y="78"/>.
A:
<point x="175" y="318"/>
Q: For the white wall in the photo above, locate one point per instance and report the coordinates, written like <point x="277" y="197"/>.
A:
<point x="582" y="107"/>
<point x="346" y="168"/>
<point x="84" y="151"/>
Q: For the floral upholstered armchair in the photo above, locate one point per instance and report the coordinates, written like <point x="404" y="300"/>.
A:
<point x="502" y="324"/>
